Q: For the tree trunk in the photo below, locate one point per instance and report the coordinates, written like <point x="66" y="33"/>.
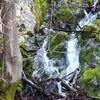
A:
<point x="12" y="55"/>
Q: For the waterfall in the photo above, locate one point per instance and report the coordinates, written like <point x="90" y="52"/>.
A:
<point x="44" y="65"/>
<point x="72" y="54"/>
<point x="73" y="48"/>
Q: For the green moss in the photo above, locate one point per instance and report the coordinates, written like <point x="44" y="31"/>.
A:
<point x="97" y="72"/>
<point x="89" y="32"/>
<point x="90" y="73"/>
<point x="7" y="91"/>
<point x="89" y="28"/>
<point x="97" y="37"/>
<point x="89" y="55"/>
<point x="58" y="51"/>
<point x="65" y="15"/>
<point x="57" y="44"/>
<point x="89" y="79"/>
<point x="58" y="38"/>
<point x="73" y="3"/>
<point x="90" y="2"/>
<point x="85" y="56"/>
<point x="97" y="22"/>
<point x="10" y="91"/>
<point x="98" y="95"/>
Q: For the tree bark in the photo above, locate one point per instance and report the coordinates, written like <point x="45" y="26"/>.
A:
<point x="12" y="55"/>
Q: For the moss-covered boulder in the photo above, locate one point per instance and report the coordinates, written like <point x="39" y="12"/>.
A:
<point x="90" y="81"/>
<point x="90" y="73"/>
<point x="57" y="44"/>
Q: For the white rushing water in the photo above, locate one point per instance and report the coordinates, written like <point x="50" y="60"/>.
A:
<point x="45" y="65"/>
<point x="73" y="48"/>
<point x="72" y="54"/>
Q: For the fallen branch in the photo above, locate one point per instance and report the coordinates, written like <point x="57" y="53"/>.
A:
<point x="64" y="30"/>
<point x="64" y="83"/>
<point x="38" y="88"/>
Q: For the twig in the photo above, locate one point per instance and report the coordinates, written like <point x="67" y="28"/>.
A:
<point x="24" y="59"/>
<point x="94" y="98"/>
<point x="69" y="74"/>
<point x="68" y="85"/>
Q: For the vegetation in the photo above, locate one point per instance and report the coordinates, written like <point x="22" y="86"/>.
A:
<point x="62" y="16"/>
<point x="39" y="9"/>
<point x="90" y="80"/>
<point x="57" y="44"/>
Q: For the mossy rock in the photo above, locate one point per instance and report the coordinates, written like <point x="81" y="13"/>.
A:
<point x="90" y="73"/>
<point x="98" y="95"/>
<point x="56" y="44"/>
<point x="89" y="28"/>
<point x="57" y="38"/>
<point x="65" y="15"/>
<point x="89" y="79"/>
<point x="89" y="32"/>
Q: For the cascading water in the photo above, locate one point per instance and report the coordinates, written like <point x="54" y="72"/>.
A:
<point x="73" y="48"/>
<point x="45" y="65"/>
<point x="72" y="54"/>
